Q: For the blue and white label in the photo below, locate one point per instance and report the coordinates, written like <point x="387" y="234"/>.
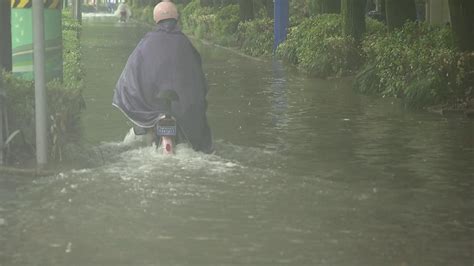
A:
<point x="166" y="130"/>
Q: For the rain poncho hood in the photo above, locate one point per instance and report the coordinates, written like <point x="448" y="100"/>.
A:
<point x="123" y="8"/>
<point x="165" y="59"/>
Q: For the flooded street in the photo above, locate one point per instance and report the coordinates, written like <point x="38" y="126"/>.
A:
<point x="306" y="172"/>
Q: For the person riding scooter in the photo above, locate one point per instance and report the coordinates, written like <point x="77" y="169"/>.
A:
<point x="123" y="12"/>
<point x="165" y="60"/>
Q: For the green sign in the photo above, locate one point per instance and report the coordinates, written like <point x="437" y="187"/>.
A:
<point x="22" y="43"/>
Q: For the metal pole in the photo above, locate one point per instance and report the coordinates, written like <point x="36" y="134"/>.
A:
<point x="78" y="10"/>
<point x="281" y="17"/>
<point x="73" y="8"/>
<point x="1" y="120"/>
<point x="40" y="83"/>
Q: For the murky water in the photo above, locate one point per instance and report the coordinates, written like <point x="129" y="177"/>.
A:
<point x="306" y="173"/>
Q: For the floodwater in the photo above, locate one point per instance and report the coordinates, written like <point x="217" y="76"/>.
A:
<point x="306" y="173"/>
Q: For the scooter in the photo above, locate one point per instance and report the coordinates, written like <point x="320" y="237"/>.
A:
<point x="165" y="133"/>
<point x="123" y="16"/>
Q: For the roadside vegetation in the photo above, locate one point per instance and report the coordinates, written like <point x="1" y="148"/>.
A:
<point x="418" y="63"/>
<point x="397" y="55"/>
<point x="223" y="25"/>
<point x="318" y="47"/>
<point x="65" y="103"/>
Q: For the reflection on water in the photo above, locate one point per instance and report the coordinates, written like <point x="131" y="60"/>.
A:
<point x="306" y="173"/>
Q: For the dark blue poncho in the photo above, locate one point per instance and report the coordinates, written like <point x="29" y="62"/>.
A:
<point x="165" y="59"/>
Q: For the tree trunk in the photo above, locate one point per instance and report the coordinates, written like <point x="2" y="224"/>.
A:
<point x="353" y="18"/>
<point x="398" y="12"/>
<point x="246" y="10"/>
<point x="269" y="8"/>
<point x="383" y="9"/>
<point x="330" y="6"/>
<point x="5" y="36"/>
<point x="370" y="5"/>
<point x="462" y="20"/>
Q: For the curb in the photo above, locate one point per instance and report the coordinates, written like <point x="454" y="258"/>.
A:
<point x="29" y="172"/>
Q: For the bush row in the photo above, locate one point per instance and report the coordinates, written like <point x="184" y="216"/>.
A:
<point x="222" y="26"/>
<point x="418" y="63"/>
<point x="65" y="102"/>
<point x="317" y="46"/>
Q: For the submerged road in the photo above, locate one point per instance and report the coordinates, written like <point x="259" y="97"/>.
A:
<point x="306" y="173"/>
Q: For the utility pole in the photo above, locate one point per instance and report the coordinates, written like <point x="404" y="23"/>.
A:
<point x="2" y="107"/>
<point x="281" y="17"/>
<point x="77" y="10"/>
<point x="40" y="83"/>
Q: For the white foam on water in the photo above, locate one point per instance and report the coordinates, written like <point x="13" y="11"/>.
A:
<point x="146" y="174"/>
<point x="81" y="171"/>
<point x="147" y="160"/>
<point x="132" y="139"/>
<point x="93" y="15"/>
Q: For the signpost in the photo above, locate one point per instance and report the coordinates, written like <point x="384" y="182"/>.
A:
<point x="40" y="83"/>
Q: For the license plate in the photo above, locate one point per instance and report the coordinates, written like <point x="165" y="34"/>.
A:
<point x="166" y="130"/>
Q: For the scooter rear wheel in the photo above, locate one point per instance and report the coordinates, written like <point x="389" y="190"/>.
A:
<point x="167" y="145"/>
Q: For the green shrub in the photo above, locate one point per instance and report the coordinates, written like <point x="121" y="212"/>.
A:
<point x="417" y="63"/>
<point x="65" y="108"/>
<point x="256" y="37"/>
<point x="196" y="19"/>
<point x="20" y="107"/>
<point x="146" y="15"/>
<point x="318" y="47"/>
<point x="187" y="12"/>
<point x="224" y="26"/>
<point x="73" y="70"/>
<point x="217" y="24"/>
<point x="299" y="10"/>
<point x="465" y="75"/>
<point x="373" y="26"/>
